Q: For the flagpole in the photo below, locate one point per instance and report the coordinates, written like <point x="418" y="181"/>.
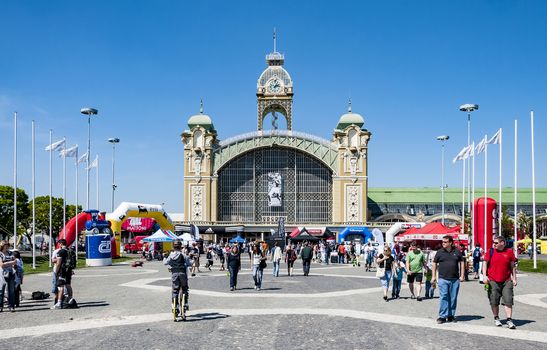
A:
<point x="64" y="185"/>
<point x="473" y="196"/>
<point x="500" y="211"/>
<point x="515" y="195"/>
<point x="76" y="209"/>
<point x="50" y="193"/>
<point x="533" y="192"/>
<point x="485" y="191"/>
<point x="33" y="197"/>
<point x="97" y="182"/>
<point x="463" y="197"/>
<point x="14" y="181"/>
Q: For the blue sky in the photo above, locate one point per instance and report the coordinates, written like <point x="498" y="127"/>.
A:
<point x="407" y="66"/>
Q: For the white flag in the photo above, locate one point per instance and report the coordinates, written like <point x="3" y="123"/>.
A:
<point x="69" y="152"/>
<point x="481" y="146"/>
<point x="95" y="163"/>
<point x="496" y="139"/>
<point x="83" y="158"/>
<point x="55" y="146"/>
<point x="461" y="154"/>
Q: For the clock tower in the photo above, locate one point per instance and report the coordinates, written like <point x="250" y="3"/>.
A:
<point x="274" y="90"/>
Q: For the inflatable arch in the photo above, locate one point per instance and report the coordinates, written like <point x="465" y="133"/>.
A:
<point x="349" y="232"/>
<point x="126" y="210"/>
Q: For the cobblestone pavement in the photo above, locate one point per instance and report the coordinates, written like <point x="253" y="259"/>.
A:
<point x="336" y="306"/>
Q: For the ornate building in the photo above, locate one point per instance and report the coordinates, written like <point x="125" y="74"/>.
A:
<point x="252" y="180"/>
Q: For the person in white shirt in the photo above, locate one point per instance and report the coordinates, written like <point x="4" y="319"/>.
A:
<point x="276" y="259"/>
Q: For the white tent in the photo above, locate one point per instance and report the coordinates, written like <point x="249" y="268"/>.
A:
<point x="161" y="236"/>
<point x="186" y="238"/>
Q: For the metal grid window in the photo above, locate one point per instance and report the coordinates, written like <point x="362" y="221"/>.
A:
<point x="306" y="188"/>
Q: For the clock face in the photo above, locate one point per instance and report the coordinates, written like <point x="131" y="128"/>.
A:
<point x="274" y="86"/>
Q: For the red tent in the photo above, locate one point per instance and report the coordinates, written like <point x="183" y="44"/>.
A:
<point x="432" y="232"/>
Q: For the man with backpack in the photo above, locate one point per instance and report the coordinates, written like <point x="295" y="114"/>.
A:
<point x="307" y="255"/>
<point x="477" y="254"/>
<point x="178" y="266"/>
<point x="500" y="276"/>
<point x="63" y="269"/>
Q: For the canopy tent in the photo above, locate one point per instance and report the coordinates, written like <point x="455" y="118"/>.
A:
<point x="238" y="239"/>
<point x="138" y="225"/>
<point x="186" y="238"/>
<point x="348" y="233"/>
<point x="317" y="232"/>
<point x="305" y="236"/>
<point x="161" y="236"/>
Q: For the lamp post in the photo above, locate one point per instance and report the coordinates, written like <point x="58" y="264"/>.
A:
<point x="469" y="108"/>
<point x="442" y="138"/>
<point x="89" y="112"/>
<point x="113" y="141"/>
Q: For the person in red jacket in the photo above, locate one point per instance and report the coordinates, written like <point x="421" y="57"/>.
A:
<point x="500" y="273"/>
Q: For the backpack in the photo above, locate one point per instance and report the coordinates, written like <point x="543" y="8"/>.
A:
<point x="70" y="261"/>
<point x="293" y="256"/>
<point x="209" y="256"/>
<point x="477" y="254"/>
<point x="39" y="295"/>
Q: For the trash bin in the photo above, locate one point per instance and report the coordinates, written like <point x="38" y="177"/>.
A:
<point x="334" y="258"/>
<point x="98" y="250"/>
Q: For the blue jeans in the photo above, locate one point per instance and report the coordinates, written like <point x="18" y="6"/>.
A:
<point x="340" y="258"/>
<point x="385" y="280"/>
<point x="276" y="267"/>
<point x="448" y="296"/>
<point x="396" y="289"/>
<point x="257" y="275"/>
<point x="429" y="290"/>
<point x="10" y="286"/>
<point x="233" y="276"/>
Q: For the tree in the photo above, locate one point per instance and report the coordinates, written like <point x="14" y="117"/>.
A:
<point x="7" y="210"/>
<point x="507" y="224"/>
<point x="42" y="214"/>
<point x="524" y="223"/>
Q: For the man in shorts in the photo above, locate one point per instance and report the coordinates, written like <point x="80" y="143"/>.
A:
<point x="500" y="274"/>
<point x="415" y="264"/>
<point x="63" y="273"/>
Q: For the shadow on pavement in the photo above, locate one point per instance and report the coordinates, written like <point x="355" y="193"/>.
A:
<point x="465" y="318"/>
<point x="93" y="304"/>
<point x="522" y="322"/>
<point x="205" y="317"/>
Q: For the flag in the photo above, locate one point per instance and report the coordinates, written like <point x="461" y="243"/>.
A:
<point x="55" y="146"/>
<point x="496" y="139"/>
<point x="482" y="145"/>
<point x="461" y="154"/>
<point x="194" y="230"/>
<point x="95" y="163"/>
<point x="83" y="158"/>
<point x="69" y="152"/>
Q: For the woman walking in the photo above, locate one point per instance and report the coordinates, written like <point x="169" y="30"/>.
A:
<point x="385" y="263"/>
<point x="7" y="265"/>
<point x="290" y="258"/>
<point x="259" y="260"/>
<point x="234" y="265"/>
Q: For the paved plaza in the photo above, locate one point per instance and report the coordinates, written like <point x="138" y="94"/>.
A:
<point x="337" y="306"/>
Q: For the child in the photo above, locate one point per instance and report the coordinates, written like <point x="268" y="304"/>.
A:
<point x="209" y="257"/>
<point x="429" y="287"/>
<point x="19" y="272"/>
<point x="397" y="280"/>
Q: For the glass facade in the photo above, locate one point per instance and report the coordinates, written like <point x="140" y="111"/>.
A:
<point x="245" y="188"/>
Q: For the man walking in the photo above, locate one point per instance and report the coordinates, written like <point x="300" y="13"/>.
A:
<point x="276" y="259"/>
<point x="307" y="255"/>
<point x="449" y="264"/>
<point x="477" y="254"/>
<point x="415" y="264"/>
<point x="500" y="276"/>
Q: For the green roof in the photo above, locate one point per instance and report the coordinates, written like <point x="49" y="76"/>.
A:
<point x="451" y="195"/>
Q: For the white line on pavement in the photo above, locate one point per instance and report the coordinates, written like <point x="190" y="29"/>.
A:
<point x="532" y="299"/>
<point x="377" y="317"/>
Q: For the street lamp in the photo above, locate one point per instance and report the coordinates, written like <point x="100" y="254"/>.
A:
<point x="89" y="112"/>
<point x="468" y="108"/>
<point x="442" y="138"/>
<point x="113" y="141"/>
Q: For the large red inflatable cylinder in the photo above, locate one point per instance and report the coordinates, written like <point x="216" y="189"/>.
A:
<point x="479" y="222"/>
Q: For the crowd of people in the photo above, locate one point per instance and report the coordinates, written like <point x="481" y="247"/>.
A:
<point x="442" y="269"/>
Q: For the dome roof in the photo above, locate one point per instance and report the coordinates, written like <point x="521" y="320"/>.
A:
<point x="349" y="119"/>
<point x="201" y="119"/>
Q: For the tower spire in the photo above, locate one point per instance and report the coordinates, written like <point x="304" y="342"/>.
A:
<point x="349" y="105"/>
<point x="274" y="41"/>
<point x="201" y="105"/>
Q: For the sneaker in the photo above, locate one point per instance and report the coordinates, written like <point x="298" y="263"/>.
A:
<point x="497" y="322"/>
<point x="451" y="319"/>
<point x="510" y="324"/>
<point x="56" y="306"/>
<point x="441" y="320"/>
<point x="193" y="275"/>
<point x="231" y="289"/>
<point x="258" y="288"/>
<point x="412" y="296"/>
<point x="419" y="298"/>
